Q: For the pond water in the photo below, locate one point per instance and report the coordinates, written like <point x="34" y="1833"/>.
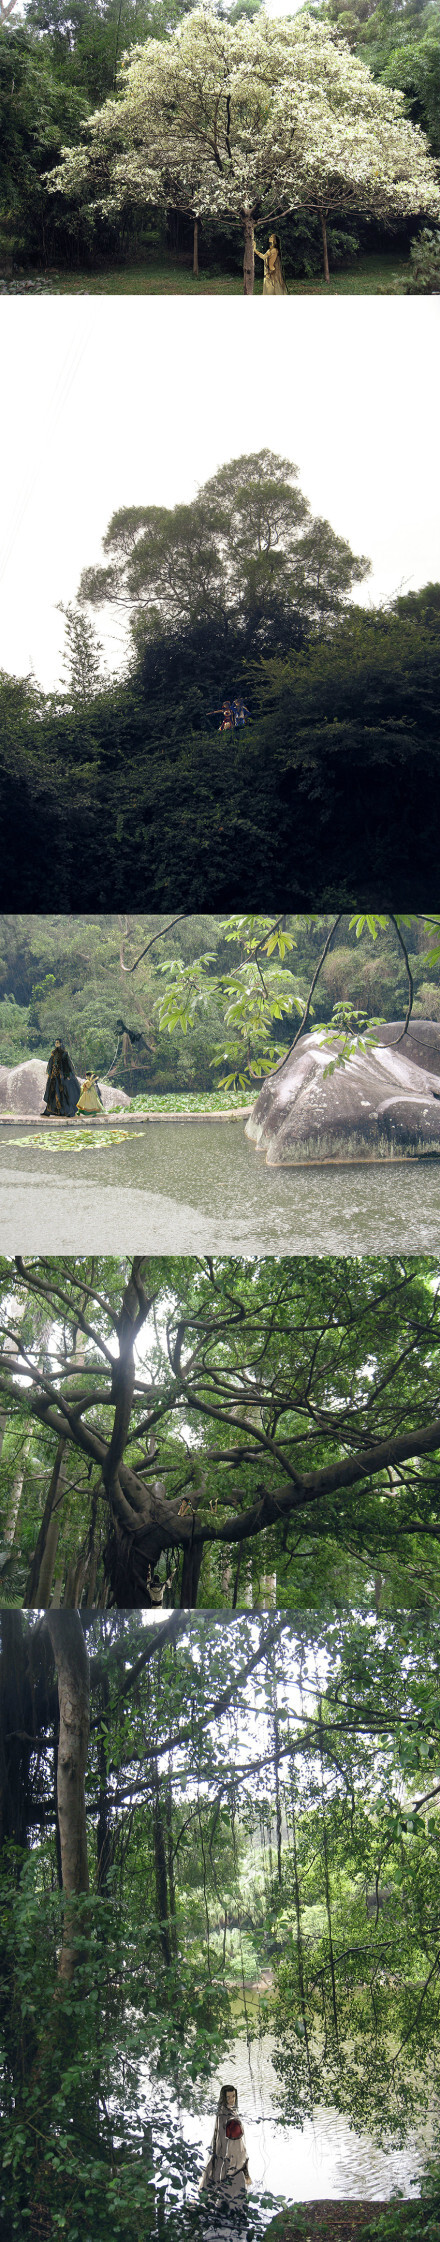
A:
<point x="321" y="2159"/>
<point x="204" y="1189"/>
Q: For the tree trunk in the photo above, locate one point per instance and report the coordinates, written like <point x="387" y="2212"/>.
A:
<point x="40" y="1576"/>
<point x="104" y="1848"/>
<point x="16" y="1494"/>
<point x="160" y="1871"/>
<point x="196" y="249"/>
<point x="72" y="1664"/>
<point x="249" y="259"/>
<point x="191" y="1570"/>
<point x="15" y="1731"/>
<point x="170" y="1863"/>
<point x="324" y="246"/>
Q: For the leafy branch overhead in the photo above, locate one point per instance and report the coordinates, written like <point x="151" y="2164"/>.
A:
<point x="226" y="1430"/>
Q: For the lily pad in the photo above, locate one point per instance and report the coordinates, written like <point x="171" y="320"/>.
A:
<point x="76" y="1140"/>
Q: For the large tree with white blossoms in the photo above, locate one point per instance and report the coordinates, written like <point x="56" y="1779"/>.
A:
<point x="250" y="121"/>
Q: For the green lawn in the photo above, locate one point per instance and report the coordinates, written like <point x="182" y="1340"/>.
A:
<point x="370" y="275"/>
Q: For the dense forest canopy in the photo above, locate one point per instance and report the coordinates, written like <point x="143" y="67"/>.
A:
<point x="251" y="1797"/>
<point x="223" y="1432"/>
<point x="325" y="795"/>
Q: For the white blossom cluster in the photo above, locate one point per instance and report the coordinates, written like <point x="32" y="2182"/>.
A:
<point x="252" y="119"/>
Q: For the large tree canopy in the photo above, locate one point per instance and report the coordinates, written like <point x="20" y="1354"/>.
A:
<point x="243" y="1432"/>
<point x="246" y="556"/>
<point x="251" y="121"/>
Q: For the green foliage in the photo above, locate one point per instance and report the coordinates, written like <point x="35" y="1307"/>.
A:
<point x="244" y="556"/>
<point x="262" y="1393"/>
<point x="37" y="111"/>
<point x="261" y="1794"/>
<point x="402" y="46"/>
<point x="425" y="264"/>
<point x="258" y="993"/>
<point x="136" y="794"/>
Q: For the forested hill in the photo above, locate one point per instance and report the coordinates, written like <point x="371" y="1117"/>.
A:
<point x="327" y="793"/>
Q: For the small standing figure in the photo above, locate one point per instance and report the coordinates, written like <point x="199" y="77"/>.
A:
<point x="62" y="1086"/>
<point x="227" y="2169"/>
<point x="226" y="713"/>
<point x="241" y="714"/>
<point x="90" y="1100"/>
<point x="273" y="282"/>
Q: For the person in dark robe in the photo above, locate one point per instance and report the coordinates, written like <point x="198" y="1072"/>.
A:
<point x="62" y="1086"/>
<point x="130" y="1048"/>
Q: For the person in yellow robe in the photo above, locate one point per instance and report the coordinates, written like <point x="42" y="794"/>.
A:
<point x="90" y="1100"/>
<point x="273" y="281"/>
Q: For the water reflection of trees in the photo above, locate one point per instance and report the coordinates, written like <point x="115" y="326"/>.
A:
<point x="261" y="1810"/>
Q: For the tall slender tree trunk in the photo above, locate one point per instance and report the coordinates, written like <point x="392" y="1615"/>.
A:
<point x="72" y="1665"/>
<point x="196" y="249"/>
<point x="324" y="246"/>
<point x="104" y="1848"/>
<point x="170" y="1862"/>
<point x="40" y="1576"/>
<point x="16" y="1494"/>
<point x="249" y="258"/>
<point x="15" y="1730"/>
<point x="160" y="1871"/>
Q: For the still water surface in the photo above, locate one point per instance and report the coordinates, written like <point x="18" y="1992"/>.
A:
<point x="322" y="2159"/>
<point x="201" y="1189"/>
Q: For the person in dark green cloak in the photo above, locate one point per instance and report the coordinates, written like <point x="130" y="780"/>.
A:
<point x="62" y="1086"/>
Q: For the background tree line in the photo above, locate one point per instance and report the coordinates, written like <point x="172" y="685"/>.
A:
<point x="223" y="1433"/>
<point x="326" y="798"/>
<point x="167" y="1005"/>
<point x="76" y="976"/>
<point x="242" y="1798"/>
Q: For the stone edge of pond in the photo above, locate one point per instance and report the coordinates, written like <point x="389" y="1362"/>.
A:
<point x="344" y="2216"/>
<point x="118" y="1120"/>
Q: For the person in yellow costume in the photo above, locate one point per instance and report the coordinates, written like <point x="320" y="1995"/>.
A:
<point x="90" y="1100"/>
<point x="273" y="282"/>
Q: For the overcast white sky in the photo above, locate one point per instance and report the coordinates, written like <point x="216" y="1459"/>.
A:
<point x="119" y="401"/>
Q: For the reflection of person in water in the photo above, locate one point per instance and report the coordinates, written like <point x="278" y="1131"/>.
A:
<point x="273" y="282"/>
<point x="62" y="1087"/>
<point x="227" y="2169"/>
<point x="90" y="1100"/>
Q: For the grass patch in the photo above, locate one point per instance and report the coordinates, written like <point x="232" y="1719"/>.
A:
<point x="192" y="1101"/>
<point x="368" y="277"/>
